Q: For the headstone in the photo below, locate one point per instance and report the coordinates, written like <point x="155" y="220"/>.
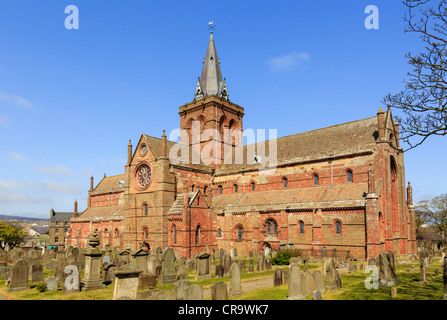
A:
<point x="181" y="272"/>
<point x="140" y="259"/>
<point x="3" y="258"/>
<point x="203" y="271"/>
<point x="147" y="282"/>
<point x="317" y="295"/>
<point x="235" y="280"/>
<point x="309" y="285"/>
<point x="393" y="292"/>
<point x="152" y="263"/>
<point x="51" y="283"/>
<point x="277" y="277"/>
<point x="219" y="270"/>
<point x="167" y="267"/>
<point x="233" y="253"/>
<point x="423" y="279"/>
<point x="109" y="274"/>
<point x="268" y="263"/>
<point x="37" y="273"/>
<point x="226" y="264"/>
<point x="180" y="288"/>
<point x="251" y="267"/>
<point x="92" y="274"/>
<point x="193" y="292"/>
<point x="332" y="276"/>
<point x="219" y="291"/>
<point x="164" y="295"/>
<point x="19" y="276"/>
<point x="260" y="265"/>
<point x="295" y="287"/>
<point x="319" y="282"/>
<point x="126" y="282"/>
<point x="213" y="268"/>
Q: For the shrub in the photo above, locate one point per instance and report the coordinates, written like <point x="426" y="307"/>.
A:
<point x="283" y="257"/>
<point x="41" y="286"/>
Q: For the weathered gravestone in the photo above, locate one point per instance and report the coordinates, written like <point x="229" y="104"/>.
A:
<point x="126" y="282"/>
<point x="268" y="263"/>
<point x="319" y="282"/>
<point x="92" y="274"/>
<point x="147" y="282"/>
<point x="203" y="270"/>
<point x="140" y="259"/>
<point x="235" y="280"/>
<point x="51" y="283"/>
<point x="108" y="274"/>
<point x="181" y="272"/>
<point x="226" y="264"/>
<point x="219" y="291"/>
<point x="219" y="270"/>
<point x="164" y="295"/>
<point x="423" y="278"/>
<point x="152" y="264"/>
<point x="180" y="288"/>
<point x="193" y="292"/>
<point x="251" y="267"/>
<point x="37" y="273"/>
<point x="277" y="277"/>
<point x="167" y="267"/>
<point x="332" y="277"/>
<point x="260" y="265"/>
<point x="3" y="258"/>
<point x="309" y="285"/>
<point x="19" y="276"/>
<point x="295" y="287"/>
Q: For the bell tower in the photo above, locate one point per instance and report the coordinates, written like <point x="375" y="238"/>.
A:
<point x="211" y="124"/>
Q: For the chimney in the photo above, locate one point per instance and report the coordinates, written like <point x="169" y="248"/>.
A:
<point x="163" y="145"/>
<point x="381" y="123"/>
<point x="129" y="152"/>
<point x="91" y="183"/>
<point x="52" y="212"/>
<point x="409" y="195"/>
<point x="75" y="211"/>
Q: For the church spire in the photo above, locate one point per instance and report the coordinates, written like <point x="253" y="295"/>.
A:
<point x="211" y="82"/>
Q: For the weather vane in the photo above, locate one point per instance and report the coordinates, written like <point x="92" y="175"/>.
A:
<point x="211" y="26"/>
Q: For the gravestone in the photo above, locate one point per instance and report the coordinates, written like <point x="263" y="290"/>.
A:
<point x="51" y="283"/>
<point x="126" y="282"/>
<point x="164" y="295"/>
<point x="260" y="265"/>
<point x="181" y="272"/>
<point x="167" y="267"/>
<point x="37" y="273"/>
<point x="235" y="280"/>
<point x="108" y="274"/>
<point x="295" y="287"/>
<point x="309" y="285"/>
<point x="219" y="270"/>
<point x="233" y="253"/>
<point x="125" y="255"/>
<point x="277" y="277"/>
<point x="332" y="276"/>
<point x="219" y="291"/>
<point x="268" y="263"/>
<point x="319" y="282"/>
<point x="180" y="288"/>
<point x="152" y="263"/>
<point x="213" y="268"/>
<point x="193" y="292"/>
<point x="92" y="275"/>
<point x="19" y="276"/>
<point x="317" y="295"/>
<point x="140" y="259"/>
<point x="203" y="270"/>
<point x="226" y="264"/>
<point x="423" y="278"/>
<point x="147" y="282"/>
<point x="251" y="267"/>
<point x="3" y="258"/>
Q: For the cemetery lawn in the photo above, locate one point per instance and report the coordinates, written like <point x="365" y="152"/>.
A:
<point x="353" y="287"/>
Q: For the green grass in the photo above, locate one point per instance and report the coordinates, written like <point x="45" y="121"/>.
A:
<point x="353" y="287"/>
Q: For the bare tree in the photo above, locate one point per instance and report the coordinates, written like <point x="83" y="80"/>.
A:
<point x="423" y="102"/>
<point x="435" y="213"/>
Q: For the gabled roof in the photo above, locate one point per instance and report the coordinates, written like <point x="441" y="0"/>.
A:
<point x="110" y="184"/>
<point x="342" y="195"/>
<point x="61" y="216"/>
<point x="102" y="213"/>
<point x="356" y="136"/>
<point x="177" y="207"/>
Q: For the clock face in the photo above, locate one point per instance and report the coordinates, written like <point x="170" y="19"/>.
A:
<point x="143" y="177"/>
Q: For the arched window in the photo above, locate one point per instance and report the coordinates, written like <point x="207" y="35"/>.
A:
<point x="253" y="186"/>
<point x="192" y="188"/>
<point x="272" y="227"/>
<point x="316" y="180"/>
<point x="117" y="233"/>
<point x="219" y="232"/>
<point x="198" y="235"/>
<point x="337" y="227"/>
<point x="174" y="231"/>
<point x="301" y="227"/>
<point x="284" y="183"/>
<point x="349" y="176"/>
<point x="205" y="189"/>
<point x="220" y="189"/>
<point x="235" y="188"/>
<point x="239" y="234"/>
<point x="145" y="233"/>
<point x="145" y="209"/>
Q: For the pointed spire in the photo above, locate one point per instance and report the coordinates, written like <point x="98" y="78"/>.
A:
<point x="211" y="82"/>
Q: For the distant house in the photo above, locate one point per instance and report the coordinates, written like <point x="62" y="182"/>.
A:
<point x="59" y="227"/>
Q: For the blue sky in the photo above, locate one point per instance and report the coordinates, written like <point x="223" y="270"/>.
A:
<point x="70" y="100"/>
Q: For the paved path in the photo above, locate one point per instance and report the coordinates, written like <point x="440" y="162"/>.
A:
<point x="247" y="285"/>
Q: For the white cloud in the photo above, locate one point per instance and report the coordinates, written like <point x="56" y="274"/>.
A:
<point x="56" y="170"/>
<point x="288" y="61"/>
<point x="62" y="187"/>
<point x="17" y="197"/>
<point x="16" y="99"/>
<point x="17" y="157"/>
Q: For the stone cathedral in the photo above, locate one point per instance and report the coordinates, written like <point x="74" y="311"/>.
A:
<point x="337" y="188"/>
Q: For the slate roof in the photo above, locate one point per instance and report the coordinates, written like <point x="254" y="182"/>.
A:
<point x="61" y="216"/>
<point x="102" y="213"/>
<point x="338" y="140"/>
<point x="177" y="207"/>
<point x="342" y="195"/>
<point x="109" y="184"/>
